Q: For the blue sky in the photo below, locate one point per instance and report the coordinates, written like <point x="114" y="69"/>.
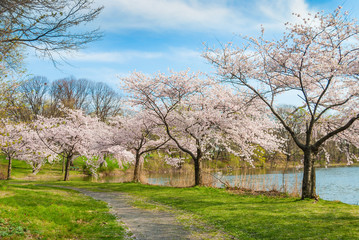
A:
<point x="158" y="35"/>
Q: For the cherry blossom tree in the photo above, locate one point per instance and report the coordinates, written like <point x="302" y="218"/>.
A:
<point x="345" y="139"/>
<point x="139" y="133"/>
<point x="33" y="151"/>
<point x="317" y="59"/>
<point x="73" y="135"/>
<point x="340" y="145"/>
<point x="197" y="116"/>
<point x="18" y="140"/>
<point x="10" y="142"/>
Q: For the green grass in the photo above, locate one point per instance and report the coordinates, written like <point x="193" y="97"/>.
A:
<point x="21" y="170"/>
<point x="28" y="211"/>
<point x="39" y="212"/>
<point x="247" y="216"/>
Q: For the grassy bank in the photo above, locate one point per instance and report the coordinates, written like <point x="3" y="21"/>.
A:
<point x="22" y="170"/>
<point x="28" y="211"/>
<point x="248" y="216"/>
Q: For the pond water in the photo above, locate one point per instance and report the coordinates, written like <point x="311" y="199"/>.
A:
<point x="335" y="183"/>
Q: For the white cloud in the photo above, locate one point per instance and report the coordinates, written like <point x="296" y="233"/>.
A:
<point x="121" y="57"/>
<point x="225" y="16"/>
<point x="166" y="14"/>
<point x="112" y="57"/>
<point x="280" y="11"/>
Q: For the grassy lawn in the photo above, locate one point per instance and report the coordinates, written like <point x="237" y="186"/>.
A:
<point x="247" y="216"/>
<point x="22" y="170"/>
<point x="28" y="211"/>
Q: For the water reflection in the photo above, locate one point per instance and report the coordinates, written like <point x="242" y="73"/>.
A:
<point x="336" y="183"/>
<point x="255" y="179"/>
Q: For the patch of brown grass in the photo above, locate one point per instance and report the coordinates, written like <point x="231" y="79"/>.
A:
<point x="4" y="194"/>
<point x="248" y="191"/>
<point x="2" y="174"/>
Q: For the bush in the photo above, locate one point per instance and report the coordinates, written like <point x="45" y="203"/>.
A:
<point x="109" y="165"/>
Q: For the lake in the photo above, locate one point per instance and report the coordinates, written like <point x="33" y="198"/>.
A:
<point x="334" y="183"/>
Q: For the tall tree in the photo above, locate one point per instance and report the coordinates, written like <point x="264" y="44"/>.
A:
<point x="34" y="93"/>
<point x="47" y="26"/>
<point x="198" y="115"/>
<point x="317" y="59"/>
<point x="28" y="99"/>
<point x="50" y="27"/>
<point x="70" y="93"/>
<point x="104" y="101"/>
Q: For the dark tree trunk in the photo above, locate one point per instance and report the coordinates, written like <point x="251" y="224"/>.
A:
<point x="197" y="172"/>
<point x="67" y="169"/>
<point x="104" y="160"/>
<point x="313" y="187"/>
<point x="136" y="174"/>
<point x="9" y="168"/>
<point x="63" y="165"/>
<point x="308" y="184"/>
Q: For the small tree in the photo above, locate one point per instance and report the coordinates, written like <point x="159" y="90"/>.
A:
<point x="11" y="142"/>
<point x="139" y="133"/>
<point x="73" y="135"/>
<point x="317" y="59"/>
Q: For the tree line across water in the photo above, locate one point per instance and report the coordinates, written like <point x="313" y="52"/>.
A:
<point x="235" y="111"/>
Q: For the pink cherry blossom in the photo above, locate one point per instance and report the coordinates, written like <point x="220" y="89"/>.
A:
<point x="317" y="60"/>
<point x="198" y="115"/>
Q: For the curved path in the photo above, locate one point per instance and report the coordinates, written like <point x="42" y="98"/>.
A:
<point x="144" y="224"/>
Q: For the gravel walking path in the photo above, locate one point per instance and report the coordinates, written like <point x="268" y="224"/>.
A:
<point x="144" y="224"/>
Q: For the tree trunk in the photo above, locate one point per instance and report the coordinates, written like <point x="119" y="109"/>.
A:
<point x="104" y="160"/>
<point x="136" y="174"/>
<point x="284" y="186"/>
<point x="9" y="168"/>
<point x="63" y="165"/>
<point x="67" y="169"/>
<point x="197" y="172"/>
<point x="36" y="168"/>
<point x="313" y="187"/>
<point x="308" y="184"/>
<point x="35" y="171"/>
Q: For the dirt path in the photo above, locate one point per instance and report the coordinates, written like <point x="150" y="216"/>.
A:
<point x="144" y="224"/>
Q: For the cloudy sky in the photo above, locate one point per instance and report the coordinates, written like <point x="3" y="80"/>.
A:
<point x="158" y="35"/>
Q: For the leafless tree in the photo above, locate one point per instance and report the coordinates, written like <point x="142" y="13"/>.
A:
<point x="104" y="101"/>
<point x="70" y="92"/>
<point x="34" y="94"/>
<point x="48" y="26"/>
<point x="13" y="108"/>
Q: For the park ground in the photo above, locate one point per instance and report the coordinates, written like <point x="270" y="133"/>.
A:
<point x="32" y="211"/>
<point x="42" y="209"/>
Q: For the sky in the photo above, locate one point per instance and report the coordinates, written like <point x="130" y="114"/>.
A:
<point x="162" y="35"/>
